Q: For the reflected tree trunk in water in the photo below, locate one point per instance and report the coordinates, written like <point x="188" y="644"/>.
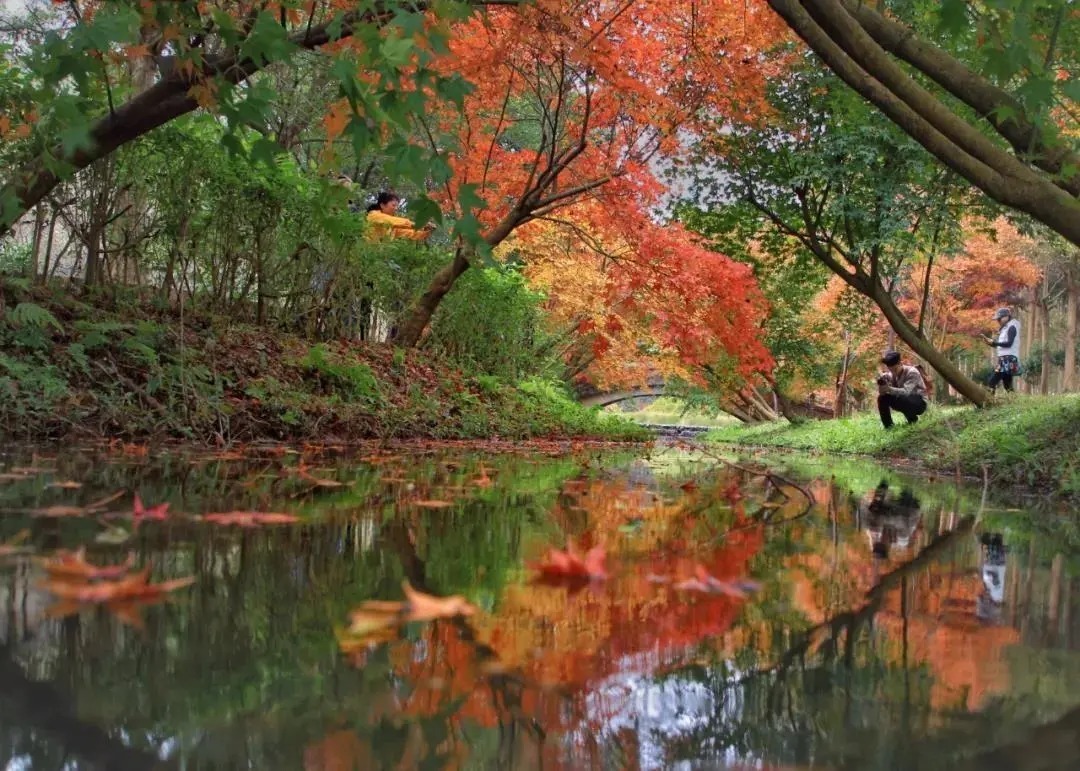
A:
<point x="41" y="707"/>
<point x="1053" y="628"/>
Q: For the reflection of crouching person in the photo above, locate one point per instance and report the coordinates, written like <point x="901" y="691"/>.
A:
<point x="902" y="388"/>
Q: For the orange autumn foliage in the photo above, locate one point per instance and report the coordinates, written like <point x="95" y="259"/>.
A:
<point x="644" y="299"/>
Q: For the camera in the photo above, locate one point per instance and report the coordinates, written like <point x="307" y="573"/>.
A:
<point x="882" y="379"/>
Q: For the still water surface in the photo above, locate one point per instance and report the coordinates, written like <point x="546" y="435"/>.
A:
<point x="888" y="629"/>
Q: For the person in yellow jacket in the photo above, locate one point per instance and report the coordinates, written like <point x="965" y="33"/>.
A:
<point x="383" y="221"/>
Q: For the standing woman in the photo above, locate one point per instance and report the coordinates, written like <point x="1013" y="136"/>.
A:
<point x="1007" y="344"/>
<point x="383" y="221"/>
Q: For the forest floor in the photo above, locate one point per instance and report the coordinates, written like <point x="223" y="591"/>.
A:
<point x="127" y="370"/>
<point x="1033" y="441"/>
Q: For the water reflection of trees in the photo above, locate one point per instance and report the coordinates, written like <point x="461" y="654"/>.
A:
<point x="829" y="664"/>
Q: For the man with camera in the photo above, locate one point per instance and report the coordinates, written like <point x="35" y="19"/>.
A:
<point x="901" y="388"/>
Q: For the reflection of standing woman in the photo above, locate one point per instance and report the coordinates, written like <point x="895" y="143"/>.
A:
<point x="1007" y="344"/>
<point x="383" y="221"/>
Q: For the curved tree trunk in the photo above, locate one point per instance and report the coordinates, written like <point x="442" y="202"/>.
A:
<point x="419" y="315"/>
<point x="907" y="332"/>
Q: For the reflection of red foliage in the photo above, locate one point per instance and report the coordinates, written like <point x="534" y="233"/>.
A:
<point x="568" y="565"/>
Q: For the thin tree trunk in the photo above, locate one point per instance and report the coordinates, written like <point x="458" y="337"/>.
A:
<point x="1028" y="386"/>
<point x="840" y="400"/>
<point x="1072" y="305"/>
<point x="35" y="246"/>
<point x="1044" y="341"/>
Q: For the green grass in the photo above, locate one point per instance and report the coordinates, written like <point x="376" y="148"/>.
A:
<point x="673" y="412"/>
<point x="1026" y="440"/>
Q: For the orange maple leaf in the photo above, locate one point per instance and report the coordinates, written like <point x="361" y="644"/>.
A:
<point x="73" y="565"/>
<point x="426" y="607"/>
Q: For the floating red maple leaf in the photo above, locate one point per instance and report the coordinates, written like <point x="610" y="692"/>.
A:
<point x="141" y="513"/>
<point x="568" y="565"/>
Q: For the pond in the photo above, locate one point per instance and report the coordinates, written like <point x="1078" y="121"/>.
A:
<point x="778" y="613"/>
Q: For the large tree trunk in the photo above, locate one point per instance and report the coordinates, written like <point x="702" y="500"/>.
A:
<point x="419" y="315"/>
<point x="849" y="51"/>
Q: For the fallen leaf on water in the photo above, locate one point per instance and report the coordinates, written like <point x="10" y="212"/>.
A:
<point x="433" y="504"/>
<point x="427" y="607"/>
<point x="569" y="565"/>
<point x="141" y="513"/>
<point x="73" y="565"/>
<point x="60" y="511"/>
<point x="101" y="503"/>
<point x="12" y="545"/>
<point x="374" y="616"/>
<point x="249" y="518"/>
<point x="134" y="586"/>
<point x="66" y="485"/>
<point x="319" y="482"/>
<point x="703" y="582"/>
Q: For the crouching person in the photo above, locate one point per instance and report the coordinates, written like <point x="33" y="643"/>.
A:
<point x="901" y="388"/>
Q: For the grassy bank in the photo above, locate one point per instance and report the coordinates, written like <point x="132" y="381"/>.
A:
<point x="71" y="368"/>
<point x="1028" y="440"/>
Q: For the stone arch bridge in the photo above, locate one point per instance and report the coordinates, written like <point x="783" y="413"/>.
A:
<point x="590" y="396"/>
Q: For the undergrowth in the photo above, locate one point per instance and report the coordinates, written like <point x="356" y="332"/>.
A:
<point x="120" y="367"/>
<point x="1028" y="440"/>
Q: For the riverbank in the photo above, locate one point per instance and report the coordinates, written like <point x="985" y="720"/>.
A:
<point x="1026" y="440"/>
<point x="71" y="369"/>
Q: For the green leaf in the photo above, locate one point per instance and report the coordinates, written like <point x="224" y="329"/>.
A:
<point x="397" y="51"/>
<point x="953" y="16"/>
<point x="268" y="41"/>
<point x="266" y="151"/>
<point x="454" y="89"/>
<point x="1071" y="89"/>
<point x="468" y="200"/>
<point x="10" y="208"/>
<point x="425" y="211"/>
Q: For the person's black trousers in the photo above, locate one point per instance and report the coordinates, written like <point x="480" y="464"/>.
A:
<point x="909" y="405"/>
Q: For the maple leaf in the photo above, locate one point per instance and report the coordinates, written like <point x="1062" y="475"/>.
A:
<point x="141" y="513"/>
<point x="133" y="586"/>
<point x="567" y="565"/>
<point x="426" y="607"/>
<point x="249" y="518"/>
<point x="73" y="565"/>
